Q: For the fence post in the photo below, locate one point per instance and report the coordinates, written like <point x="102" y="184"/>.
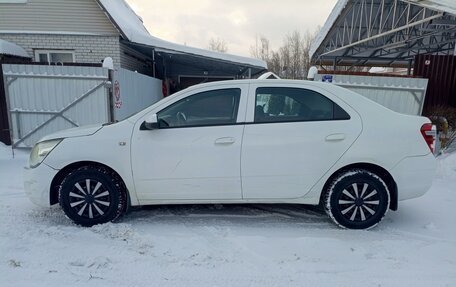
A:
<point x="109" y="64"/>
<point x="5" y="132"/>
<point x="111" y="80"/>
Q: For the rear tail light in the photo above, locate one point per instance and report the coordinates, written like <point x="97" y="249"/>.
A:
<point x="429" y="133"/>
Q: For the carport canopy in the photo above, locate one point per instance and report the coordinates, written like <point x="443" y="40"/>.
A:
<point x="176" y="63"/>
<point x="173" y="59"/>
<point x="385" y="32"/>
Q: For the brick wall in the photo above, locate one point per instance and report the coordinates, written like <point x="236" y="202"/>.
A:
<point x="87" y="48"/>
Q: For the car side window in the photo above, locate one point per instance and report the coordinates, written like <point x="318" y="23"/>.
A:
<point x="277" y="104"/>
<point x="217" y="107"/>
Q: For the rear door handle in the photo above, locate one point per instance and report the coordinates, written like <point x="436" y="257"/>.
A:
<point x="225" y="141"/>
<point x="335" y="137"/>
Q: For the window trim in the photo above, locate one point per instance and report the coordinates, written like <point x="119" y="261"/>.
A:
<point x="243" y="123"/>
<point x="298" y="120"/>
<point x="207" y="125"/>
<point x="50" y="51"/>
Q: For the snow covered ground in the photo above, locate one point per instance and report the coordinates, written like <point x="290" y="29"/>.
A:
<point x="257" y="245"/>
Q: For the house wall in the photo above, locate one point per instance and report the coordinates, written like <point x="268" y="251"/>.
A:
<point x="82" y="16"/>
<point x="87" y="48"/>
<point x="77" y="25"/>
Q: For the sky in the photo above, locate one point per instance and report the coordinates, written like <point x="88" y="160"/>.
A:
<point x="237" y="22"/>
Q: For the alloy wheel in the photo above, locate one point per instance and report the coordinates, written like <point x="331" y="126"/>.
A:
<point x="89" y="198"/>
<point x="359" y="202"/>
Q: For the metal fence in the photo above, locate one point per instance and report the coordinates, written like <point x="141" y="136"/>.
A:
<point x="441" y="72"/>
<point x="44" y="99"/>
<point x="400" y="94"/>
<point x="133" y="92"/>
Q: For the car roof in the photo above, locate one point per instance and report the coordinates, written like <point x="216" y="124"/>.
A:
<point x="325" y="85"/>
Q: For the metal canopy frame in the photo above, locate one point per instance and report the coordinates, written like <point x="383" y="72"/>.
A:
<point x="386" y="33"/>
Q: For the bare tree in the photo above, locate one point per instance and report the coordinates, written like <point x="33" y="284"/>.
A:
<point x="291" y="60"/>
<point x="218" y="45"/>
<point x="260" y="49"/>
<point x="293" y="44"/>
<point x="275" y="63"/>
<point x="306" y="44"/>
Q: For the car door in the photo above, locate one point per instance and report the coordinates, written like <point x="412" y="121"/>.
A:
<point x="293" y="135"/>
<point x="195" y="152"/>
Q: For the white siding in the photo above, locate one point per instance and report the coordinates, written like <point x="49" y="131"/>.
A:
<point x="78" y="16"/>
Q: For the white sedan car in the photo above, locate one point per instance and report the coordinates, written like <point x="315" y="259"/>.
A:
<point x="246" y="141"/>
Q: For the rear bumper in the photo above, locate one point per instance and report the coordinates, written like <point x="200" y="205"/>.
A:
<point x="37" y="184"/>
<point x="414" y="176"/>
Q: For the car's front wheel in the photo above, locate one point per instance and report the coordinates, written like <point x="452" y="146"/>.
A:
<point x="92" y="195"/>
<point x="357" y="199"/>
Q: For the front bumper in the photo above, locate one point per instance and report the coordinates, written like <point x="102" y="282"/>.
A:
<point x="37" y="183"/>
<point x="414" y="176"/>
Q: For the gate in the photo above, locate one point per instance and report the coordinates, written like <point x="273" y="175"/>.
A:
<point x="44" y="99"/>
<point x="401" y="94"/>
<point x="441" y="72"/>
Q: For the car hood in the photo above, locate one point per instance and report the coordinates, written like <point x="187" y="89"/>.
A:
<point x="74" y="132"/>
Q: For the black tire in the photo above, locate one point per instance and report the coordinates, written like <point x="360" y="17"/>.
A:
<point x="92" y="195"/>
<point x="357" y="199"/>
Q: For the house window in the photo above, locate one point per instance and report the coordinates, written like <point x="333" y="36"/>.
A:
<point x="54" y="56"/>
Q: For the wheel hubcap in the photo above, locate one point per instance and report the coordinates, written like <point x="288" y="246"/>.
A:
<point x="359" y="202"/>
<point x="89" y="198"/>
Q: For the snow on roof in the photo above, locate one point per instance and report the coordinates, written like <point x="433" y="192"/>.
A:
<point x="133" y="29"/>
<point x="448" y="6"/>
<point x="340" y="5"/>
<point x="8" y="48"/>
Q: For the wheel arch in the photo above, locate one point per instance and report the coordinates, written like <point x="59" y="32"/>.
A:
<point x="378" y="170"/>
<point x="58" y="178"/>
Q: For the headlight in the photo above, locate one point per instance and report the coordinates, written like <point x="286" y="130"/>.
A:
<point x="41" y="150"/>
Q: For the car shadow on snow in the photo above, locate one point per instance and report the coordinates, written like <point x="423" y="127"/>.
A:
<point x="222" y="215"/>
<point x="230" y="214"/>
<point x="253" y="215"/>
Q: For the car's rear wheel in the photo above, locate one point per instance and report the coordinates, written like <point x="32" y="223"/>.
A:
<point x="92" y="195"/>
<point x="357" y="199"/>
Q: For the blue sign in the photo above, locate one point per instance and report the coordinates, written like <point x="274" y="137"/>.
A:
<point x="327" y="78"/>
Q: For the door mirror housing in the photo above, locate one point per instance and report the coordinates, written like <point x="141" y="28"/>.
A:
<point x="150" y="123"/>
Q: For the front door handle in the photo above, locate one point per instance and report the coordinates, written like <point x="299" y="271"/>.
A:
<point x="335" y="137"/>
<point x="225" y="141"/>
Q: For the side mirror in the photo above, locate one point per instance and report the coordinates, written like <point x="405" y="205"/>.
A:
<point x="150" y="123"/>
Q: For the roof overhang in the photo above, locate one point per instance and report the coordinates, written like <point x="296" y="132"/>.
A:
<point x="132" y="29"/>
<point x="11" y="49"/>
<point x="181" y="63"/>
<point x="385" y="32"/>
